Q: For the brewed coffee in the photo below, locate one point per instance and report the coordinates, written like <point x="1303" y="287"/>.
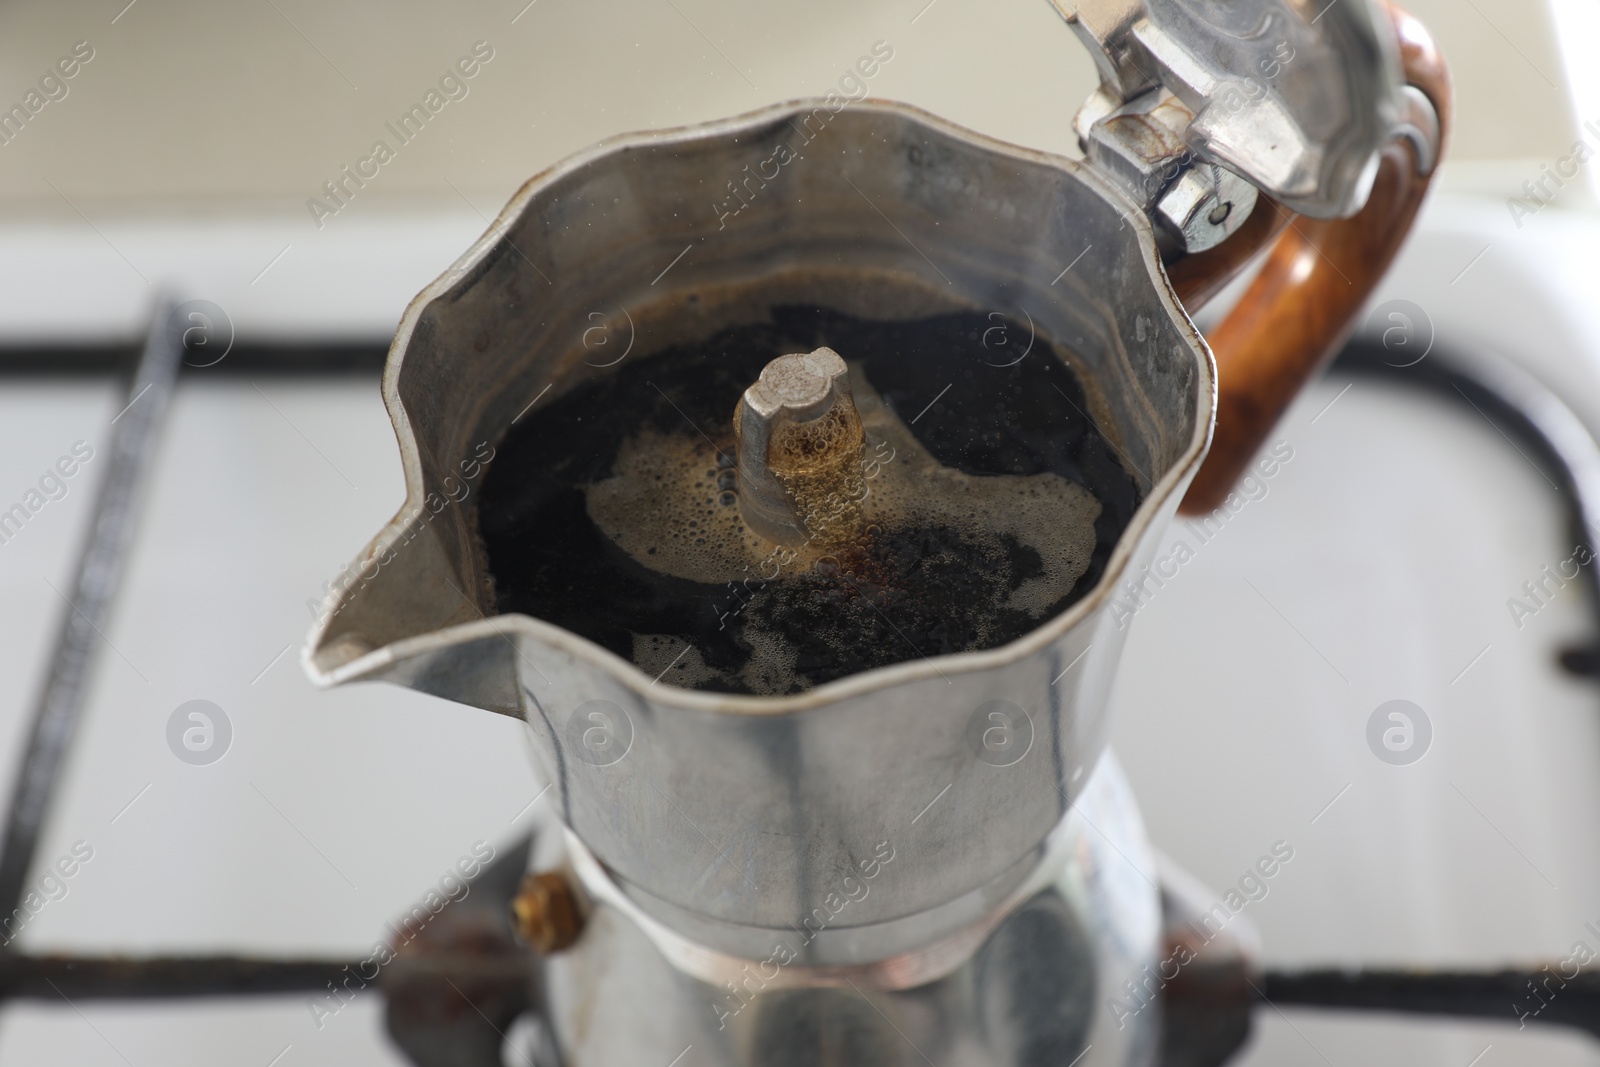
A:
<point x="990" y="502"/>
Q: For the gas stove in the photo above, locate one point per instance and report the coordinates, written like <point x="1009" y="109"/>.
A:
<point x="1404" y="855"/>
<point x="1283" y="762"/>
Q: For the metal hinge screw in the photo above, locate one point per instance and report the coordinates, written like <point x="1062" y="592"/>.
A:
<point x="545" y="912"/>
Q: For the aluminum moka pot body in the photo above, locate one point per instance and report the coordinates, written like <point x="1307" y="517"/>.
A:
<point x="1065" y="970"/>
<point x="728" y="817"/>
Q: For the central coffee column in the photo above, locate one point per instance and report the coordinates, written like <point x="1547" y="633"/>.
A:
<point x="799" y="443"/>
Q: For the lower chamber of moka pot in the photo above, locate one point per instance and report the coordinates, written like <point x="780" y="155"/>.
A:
<point x="1042" y="978"/>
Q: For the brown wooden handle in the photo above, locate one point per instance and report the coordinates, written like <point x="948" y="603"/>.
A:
<point x="1302" y="305"/>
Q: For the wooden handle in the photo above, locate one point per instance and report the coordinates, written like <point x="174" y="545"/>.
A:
<point x="1302" y="305"/>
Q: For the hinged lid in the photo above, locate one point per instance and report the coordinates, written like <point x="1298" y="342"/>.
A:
<point x="1293" y="98"/>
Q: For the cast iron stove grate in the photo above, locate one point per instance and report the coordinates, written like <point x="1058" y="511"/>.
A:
<point x="453" y="994"/>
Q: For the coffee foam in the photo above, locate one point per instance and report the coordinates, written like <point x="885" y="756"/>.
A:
<point x="670" y="505"/>
<point x="670" y="659"/>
